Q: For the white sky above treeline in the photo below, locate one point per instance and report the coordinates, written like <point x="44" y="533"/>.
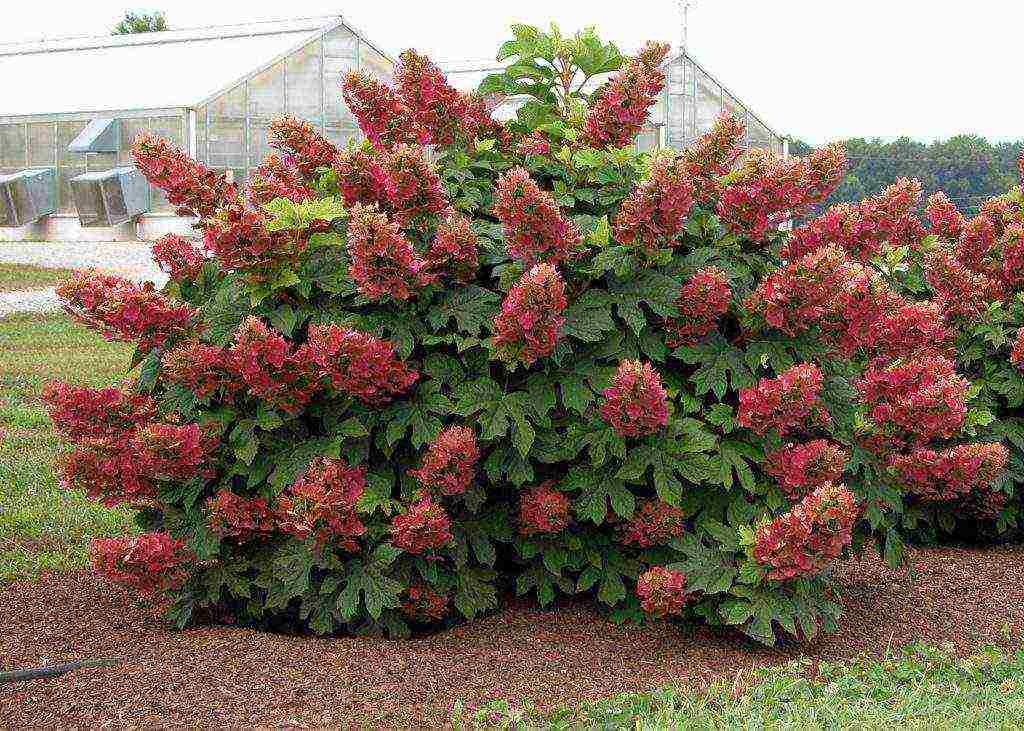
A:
<point x="815" y="69"/>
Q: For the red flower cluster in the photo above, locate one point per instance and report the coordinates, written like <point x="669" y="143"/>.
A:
<point x="272" y="372"/>
<point x="237" y="517"/>
<point x="151" y="564"/>
<point x="914" y="328"/>
<point x="636" y="404"/>
<point x="107" y="414"/>
<point x="305" y="147"/>
<point x="784" y="404"/>
<point x="361" y="178"/>
<point x="975" y="244"/>
<point x="701" y="302"/>
<point x="952" y="474"/>
<point x="914" y="401"/>
<point x="803" y="468"/>
<point x="201" y="368"/>
<point x="108" y="473"/>
<point x="862" y="229"/>
<point x="423" y="604"/>
<point x="173" y="452"/>
<point x="662" y="591"/>
<point x="442" y="114"/>
<point x="450" y="462"/>
<point x="382" y="116"/>
<point x="654" y="523"/>
<point x="656" y="211"/>
<point x="768" y="190"/>
<point x="962" y="294"/>
<point x="543" y="509"/>
<point x="535" y="227"/>
<point x="803" y="541"/>
<point x="238" y="237"/>
<point x="534" y="144"/>
<point x="178" y="257"/>
<point x="985" y="504"/>
<point x="804" y="293"/>
<point x="945" y="220"/>
<point x="1017" y="353"/>
<point x="123" y="310"/>
<point x="275" y="179"/>
<point x="530" y="321"/>
<point x="415" y="188"/>
<point x="454" y="248"/>
<point x="355" y="363"/>
<point x="619" y="109"/>
<point x="188" y="184"/>
<point x="384" y="264"/>
<point x="423" y="528"/>
<point x="712" y="155"/>
<point x="322" y="504"/>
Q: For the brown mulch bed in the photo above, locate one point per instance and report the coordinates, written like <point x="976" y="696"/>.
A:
<point x="218" y="676"/>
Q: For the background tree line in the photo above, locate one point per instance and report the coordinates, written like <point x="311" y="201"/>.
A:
<point x="969" y="168"/>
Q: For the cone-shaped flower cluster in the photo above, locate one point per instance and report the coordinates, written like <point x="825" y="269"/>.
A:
<point x="1017" y="352"/>
<point x="188" y="184"/>
<point x="151" y="563"/>
<point x="423" y="528"/>
<point x="803" y="468"/>
<point x="534" y="144"/>
<point x="654" y="523"/>
<point x="662" y="591"/>
<point x="264" y="361"/>
<point x="384" y="263"/>
<point x="543" y="509"/>
<point x="233" y="516"/>
<point x="201" y="368"/>
<point x="951" y="474"/>
<point x="656" y="211"/>
<point x="535" y="228"/>
<point x="415" y="188"/>
<point x="636" y="403"/>
<point x="450" y="463"/>
<point x="913" y="328"/>
<point x="424" y="604"/>
<point x="304" y="146"/>
<point x="361" y="178"/>
<point x="530" y="322"/>
<point x="275" y="179"/>
<point x="454" y="248"/>
<point x="178" y="257"/>
<point x="962" y="294"/>
<point x="322" y="504"/>
<point x="701" y="302"/>
<point x="620" y="107"/>
<point x="381" y="115"/>
<point x="944" y="218"/>
<point x="712" y="155"/>
<point x="123" y="310"/>
<point x="805" y="540"/>
<point x="108" y="414"/>
<point x="785" y="404"/>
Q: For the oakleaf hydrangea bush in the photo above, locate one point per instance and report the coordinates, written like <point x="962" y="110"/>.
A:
<point x="398" y="381"/>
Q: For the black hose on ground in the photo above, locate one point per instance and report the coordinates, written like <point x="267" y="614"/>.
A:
<point x="54" y="671"/>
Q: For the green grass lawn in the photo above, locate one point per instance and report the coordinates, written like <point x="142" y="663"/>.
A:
<point x="920" y="689"/>
<point x="25" y="276"/>
<point x="43" y="527"/>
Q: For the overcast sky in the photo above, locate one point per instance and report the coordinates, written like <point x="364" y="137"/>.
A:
<point x="814" y="69"/>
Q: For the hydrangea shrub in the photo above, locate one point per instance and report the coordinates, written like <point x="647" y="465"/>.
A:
<point x="463" y="358"/>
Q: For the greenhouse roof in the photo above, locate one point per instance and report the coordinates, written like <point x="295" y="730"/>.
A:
<point x="165" y="70"/>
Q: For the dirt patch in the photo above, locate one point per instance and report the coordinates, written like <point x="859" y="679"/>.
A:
<point x="226" y="676"/>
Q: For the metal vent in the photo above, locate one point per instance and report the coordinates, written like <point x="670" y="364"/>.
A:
<point x="100" y="135"/>
<point x="110" y="197"/>
<point x="27" y="195"/>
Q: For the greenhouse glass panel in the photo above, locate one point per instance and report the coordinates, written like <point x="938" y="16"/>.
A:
<point x="304" y="84"/>
<point x="708" y="103"/>
<point x="340" y="57"/>
<point x="69" y="164"/>
<point x="42" y="141"/>
<point x="201" y="151"/>
<point x="266" y="103"/>
<point x="374" y="63"/>
<point x="12" y="146"/>
<point x="100" y="161"/>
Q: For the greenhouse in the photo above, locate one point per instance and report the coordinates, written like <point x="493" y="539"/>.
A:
<point x="72" y="107"/>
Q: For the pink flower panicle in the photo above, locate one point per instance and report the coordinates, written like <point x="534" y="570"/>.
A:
<point x="424" y="604"/>
<point x="454" y="248"/>
<point x="384" y="263"/>
<point x="191" y="186"/>
<point x="152" y="564"/>
<point x="701" y="302"/>
<point x="233" y="516"/>
<point x="106" y="414"/>
<point x="662" y="592"/>
<point x="422" y="529"/>
<point x="712" y="155"/>
<point x="1017" y="352"/>
<point x="275" y="179"/>
<point x="355" y="363"/>
<point x="915" y="328"/>
<point x="784" y="404"/>
<point x="654" y="523"/>
<point x="361" y="178"/>
<point x="322" y="504"/>
<point x="952" y="474"/>
<point x="416" y="189"/>
<point x="450" y="463"/>
<point x="962" y="294"/>
<point x="657" y="209"/>
<point x="916" y="400"/>
<point x="975" y="245"/>
<point x="305" y="147"/>
<point x="238" y="237"/>
<point x="174" y="452"/>
<point x="382" y="116"/>
<point x="985" y="504"/>
<point x="944" y="218"/>
<point x="543" y="510"/>
<point x="530" y="322"/>
<point x="270" y="369"/>
<point x="108" y="473"/>
<point x="636" y="403"/>
<point x="805" y="540"/>
<point x="802" y="468"/>
<point x="619" y="108"/>
<point x="123" y="310"/>
<point x="534" y="144"/>
<point x="178" y="257"/>
<point x="201" y="368"/>
<point x="535" y="227"/>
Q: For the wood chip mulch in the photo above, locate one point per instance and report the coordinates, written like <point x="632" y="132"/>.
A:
<point x="224" y="676"/>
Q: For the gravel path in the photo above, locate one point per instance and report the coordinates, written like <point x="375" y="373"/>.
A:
<point x="225" y="676"/>
<point x="133" y="261"/>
